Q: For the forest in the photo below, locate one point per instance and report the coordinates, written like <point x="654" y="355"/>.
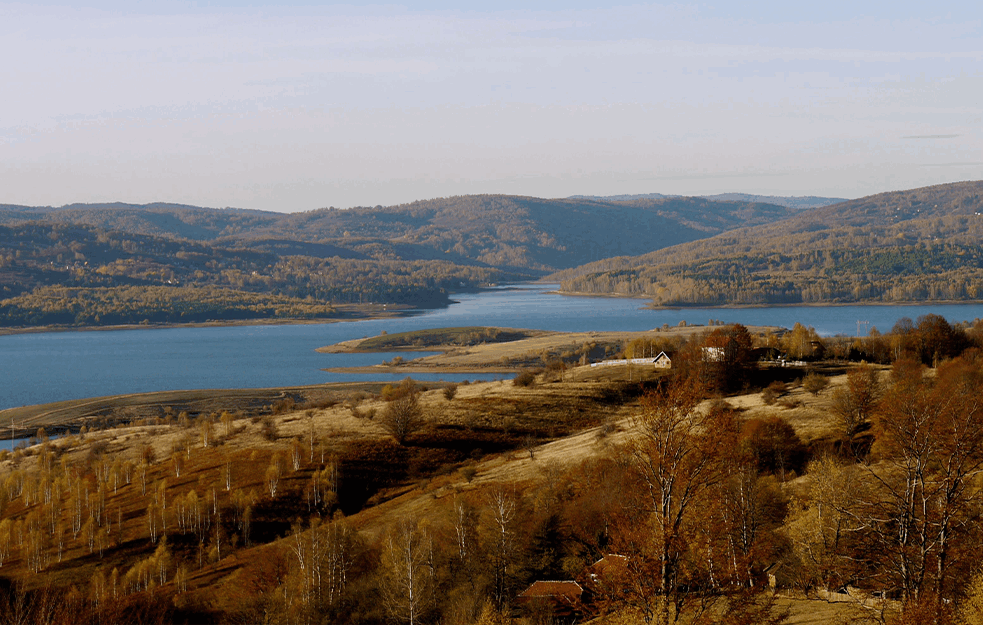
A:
<point x="53" y="274"/>
<point x="82" y="265"/>
<point x="919" y="245"/>
<point x="727" y="490"/>
<point x="512" y="233"/>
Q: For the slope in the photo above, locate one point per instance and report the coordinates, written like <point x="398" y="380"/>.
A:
<point x="507" y="232"/>
<point x="915" y="245"/>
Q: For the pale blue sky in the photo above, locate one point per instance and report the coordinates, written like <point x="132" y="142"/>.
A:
<point x="297" y="107"/>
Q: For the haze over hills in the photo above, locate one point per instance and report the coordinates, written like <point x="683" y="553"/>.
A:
<point x="797" y="202"/>
<point x="915" y="245"/>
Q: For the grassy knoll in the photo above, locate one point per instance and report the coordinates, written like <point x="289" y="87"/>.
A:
<point x="437" y="338"/>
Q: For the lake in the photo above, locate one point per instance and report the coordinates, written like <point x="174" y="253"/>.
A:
<point x="55" y="366"/>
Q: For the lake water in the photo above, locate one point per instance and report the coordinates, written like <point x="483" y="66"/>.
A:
<point x="55" y="366"/>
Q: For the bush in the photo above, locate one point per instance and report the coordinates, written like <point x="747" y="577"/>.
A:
<point x="775" y="390"/>
<point x="284" y="405"/>
<point x="525" y="379"/>
<point x="768" y="396"/>
<point x="450" y="391"/>
<point x="775" y="444"/>
<point x="269" y="428"/>
<point x="406" y="387"/>
<point x="402" y="416"/>
<point x="815" y="383"/>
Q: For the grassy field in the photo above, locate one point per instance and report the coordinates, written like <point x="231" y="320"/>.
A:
<point x="482" y="435"/>
<point x="536" y="350"/>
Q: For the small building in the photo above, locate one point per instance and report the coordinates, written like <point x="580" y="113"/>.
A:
<point x="559" y="600"/>
<point x="611" y="569"/>
<point x="663" y="361"/>
<point x="714" y="354"/>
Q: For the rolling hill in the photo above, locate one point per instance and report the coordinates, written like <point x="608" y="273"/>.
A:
<point x="107" y="264"/>
<point x="916" y="245"/>
<point x="507" y="232"/>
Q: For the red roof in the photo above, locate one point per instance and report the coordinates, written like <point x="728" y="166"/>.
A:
<point x="568" y="590"/>
<point x="611" y="564"/>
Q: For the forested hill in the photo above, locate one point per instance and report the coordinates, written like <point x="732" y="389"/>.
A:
<point x="916" y="245"/>
<point x="506" y="232"/>
<point x="105" y="264"/>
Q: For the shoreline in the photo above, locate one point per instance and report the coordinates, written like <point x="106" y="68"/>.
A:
<point x="76" y="412"/>
<point x="510" y="357"/>
<point x="943" y="302"/>
<point x="386" y="313"/>
<point x="410" y="368"/>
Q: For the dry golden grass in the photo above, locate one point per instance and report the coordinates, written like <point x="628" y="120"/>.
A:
<point x="509" y="356"/>
<point x="570" y="406"/>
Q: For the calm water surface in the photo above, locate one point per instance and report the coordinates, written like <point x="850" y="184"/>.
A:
<point x="40" y="368"/>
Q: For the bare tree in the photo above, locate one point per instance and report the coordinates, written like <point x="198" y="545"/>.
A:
<point x="930" y="436"/>
<point x="403" y="416"/>
<point x="228" y="419"/>
<point x="177" y="458"/>
<point x="324" y="554"/>
<point x="854" y="405"/>
<point x="678" y="456"/>
<point x="503" y="504"/>
<point x="273" y="473"/>
<point x="206" y="430"/>
<point x="407" y="576"/>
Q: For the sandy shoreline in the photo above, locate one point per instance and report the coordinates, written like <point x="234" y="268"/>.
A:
<point x="382" y="313"/>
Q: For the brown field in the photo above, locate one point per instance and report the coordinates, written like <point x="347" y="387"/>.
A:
<point x="490" y="433"/>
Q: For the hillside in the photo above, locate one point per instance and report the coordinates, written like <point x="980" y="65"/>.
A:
<point x="916" y="245"/>
<point x="798" y="202"/>
<point x="170" y="517"/>
<point x="68" y="274"/>
<point x="327" y="504"/>
<point x="109" y="264"/>
<point x="505" y="232"/>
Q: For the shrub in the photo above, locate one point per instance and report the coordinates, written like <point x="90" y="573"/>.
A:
<point x="450" y="391"/>
<point x="269" y="428"/>
<point x="525" y="379"/>
<point x="402" y="416"/>
<point x="815" y="383"/>
<point x="775" y="390"/>
<point x="775" y="444"/>
<point x="768" y="396"/>
<point x="406" y="387"/>
<point x="284" y="405"/>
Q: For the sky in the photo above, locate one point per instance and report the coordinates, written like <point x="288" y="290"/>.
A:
<point x="293" y="107"/>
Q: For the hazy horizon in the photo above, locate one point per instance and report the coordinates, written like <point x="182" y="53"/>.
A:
<point x="291" y="108"/>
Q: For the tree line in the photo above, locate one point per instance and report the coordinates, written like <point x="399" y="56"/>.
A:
<point x="78" y="275"/>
